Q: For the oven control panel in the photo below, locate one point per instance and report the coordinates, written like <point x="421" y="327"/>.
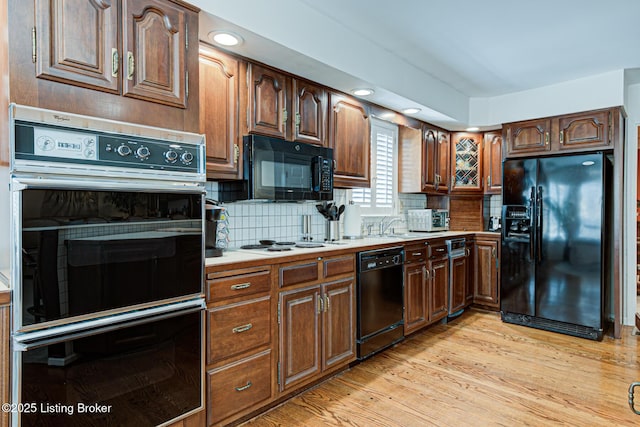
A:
<point x="47" y="143"/>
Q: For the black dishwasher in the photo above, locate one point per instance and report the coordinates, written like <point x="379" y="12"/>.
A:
<point x="380" y="300"/>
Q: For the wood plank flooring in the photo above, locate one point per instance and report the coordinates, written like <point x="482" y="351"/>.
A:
<point x="477" y="371"/>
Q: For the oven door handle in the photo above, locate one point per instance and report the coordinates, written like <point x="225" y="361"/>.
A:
<point x="20" y="183"/>
<point x="30" y="340"/>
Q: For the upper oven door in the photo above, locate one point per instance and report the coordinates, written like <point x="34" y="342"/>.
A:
<point x="90" y="252"/>
<point x="282" y="170"/>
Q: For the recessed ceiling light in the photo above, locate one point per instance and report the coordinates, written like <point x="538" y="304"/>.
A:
<point x="411" y="110"/>
<point x="225" y="38"/>
<point x="362" y="92"/>
<point x="473" y="129"/>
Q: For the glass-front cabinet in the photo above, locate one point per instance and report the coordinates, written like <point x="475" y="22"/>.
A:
<point x="466" y="162"/>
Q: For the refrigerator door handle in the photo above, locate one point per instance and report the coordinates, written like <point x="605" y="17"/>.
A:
<point x="539" y="223"/>
<point x="532" y="223"/>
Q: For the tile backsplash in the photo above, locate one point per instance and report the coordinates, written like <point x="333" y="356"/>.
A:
<point x="251" y="221"/>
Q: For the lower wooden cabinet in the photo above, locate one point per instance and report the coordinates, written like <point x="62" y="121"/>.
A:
<point x="458" y="284"/>
<point x="471" y="270"/>
<point x="4" y="361"/>
<point x="239" y="385"/>
<point x="438" y="266"/>
<point x="487" y="278"/>
<point x="416" y="289"/>
<point x="317" y="330"/>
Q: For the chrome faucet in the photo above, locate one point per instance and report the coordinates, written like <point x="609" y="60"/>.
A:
<point x="384" y="227"/>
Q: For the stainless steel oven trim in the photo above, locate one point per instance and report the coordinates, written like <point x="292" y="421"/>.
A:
<point x="30" y="340"/>
<point x="16" y="374"/>
<point x="22" y="182"/>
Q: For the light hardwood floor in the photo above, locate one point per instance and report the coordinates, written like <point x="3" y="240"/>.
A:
<point x="477" y="371"/>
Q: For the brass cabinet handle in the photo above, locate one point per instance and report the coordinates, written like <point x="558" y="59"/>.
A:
<point x="236" y="152"/>
<point x="493" y="252"/>
<point x="298" y="119"/>
<point x="285" y="115"/>
<point x="326" y="305"/>
<point x="546" y="138"/>
<point x="115" y="62"/>
<point x="489" y="181"/>
<point x="243" y="328"/>
<point x="416" y="253"/>
<point x="240" y="286"/>
<point x="130" y="66"/>
<point x="320" y="304"/>
<point x="244" y="387"/>
<point x="425" y="273"/>
<point x="561" y="137"/>
<point x="440" y="249"/>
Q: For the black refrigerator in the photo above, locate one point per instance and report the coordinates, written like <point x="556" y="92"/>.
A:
<point x="555" y="253"/>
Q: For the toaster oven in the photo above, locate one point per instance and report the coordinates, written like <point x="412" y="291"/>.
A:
<point x="428" y="220"/>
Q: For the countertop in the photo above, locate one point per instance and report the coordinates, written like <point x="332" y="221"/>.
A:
<point x="234" y="256"/>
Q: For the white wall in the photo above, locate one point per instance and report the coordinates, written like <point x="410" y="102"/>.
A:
<point x="632" y="107"/>
<point x="589" y="93"/>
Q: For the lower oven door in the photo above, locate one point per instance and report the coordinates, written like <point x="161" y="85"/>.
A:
<point x="145" y="372"/>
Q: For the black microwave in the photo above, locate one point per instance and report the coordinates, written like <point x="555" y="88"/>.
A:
<point x="278" y="170"/>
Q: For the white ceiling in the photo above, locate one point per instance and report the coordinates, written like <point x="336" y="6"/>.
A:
<point x="434" y="54"/>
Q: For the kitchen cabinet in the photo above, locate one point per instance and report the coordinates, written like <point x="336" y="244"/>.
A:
<point x="268" y="110"/>
<point x="136" y="52"/>
<point x="458" y="284"/>
<point x="471" y="270"/>
<point x="423" y="160"/>
<point x="316" y="318"/>
<point x="585" y="131"/>
<point x="349" y="136"/>
<point x="284" y="107"/>
<point x="492" y="163"/>
<point x="219" y="87"/>
<point x="487" y="280"/>
<point x="466" y="163"/>
<point x="438" y="266"/>
<point x="310" y="108"/>
<point x="416" y="288"/>
<point x="239" y="343"/>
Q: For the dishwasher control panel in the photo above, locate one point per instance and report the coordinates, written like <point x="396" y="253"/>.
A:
<point x="373" y="260"/>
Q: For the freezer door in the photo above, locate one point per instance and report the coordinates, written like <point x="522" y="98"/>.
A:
<point x="569" y="260"/>
<point x="517" y="266"/>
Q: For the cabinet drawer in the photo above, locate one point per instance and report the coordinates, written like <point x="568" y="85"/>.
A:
<point x="438" y="250"/>
<point x="337" y="266"/>
<point x="298" y="273"/>
<point x="236" y="328"/>
<point x="238" y="386"/>
<point x="415" y="253"/>
<point x="238" y="286"/>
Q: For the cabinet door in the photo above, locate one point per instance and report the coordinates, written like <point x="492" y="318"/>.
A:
<point x="77" y="43"/>
<point x="458" y="286"/>
<point x="349" y="136"/>
<point x="299" y="336"/>
<point x="154" y="57"/>
<point x="487" y="283"/>
<point x="429" y="159"/>
<point x="442" y="167"/>
<point x="466" y="163"/>
<point x="310" y="113"/>
<point x="471" y="271"/>
<point x="268" y="110"/>
<point x="218" y="112"/>
<point x="492" y="164"/>
<point x="416" y="311"/>
<point x="339" y="330"/>
<point x="585" y="130"/>
<point x="439" y="289"/>
<point x="528" y="137"/>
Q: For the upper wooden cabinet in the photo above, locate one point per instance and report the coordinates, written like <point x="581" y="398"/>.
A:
<point x="349" y="136"/>
<point x="423" y="160"/>
<point x="64" y="30"/>
<point x="466" y="163"/>
<point x="309" y="105"/>
<point x="219" y="113"/>
<point x="130" y="50"/>
<point x="268" y="108"/>
<point x="492" y="163"/>
<point x="585" y="131"/>
<point x="285" y="107"/>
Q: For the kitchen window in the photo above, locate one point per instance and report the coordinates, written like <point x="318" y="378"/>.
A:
<point x="381" y="198"/>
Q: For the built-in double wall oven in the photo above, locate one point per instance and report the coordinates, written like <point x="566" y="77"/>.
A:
<point x="107" y="263"/>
